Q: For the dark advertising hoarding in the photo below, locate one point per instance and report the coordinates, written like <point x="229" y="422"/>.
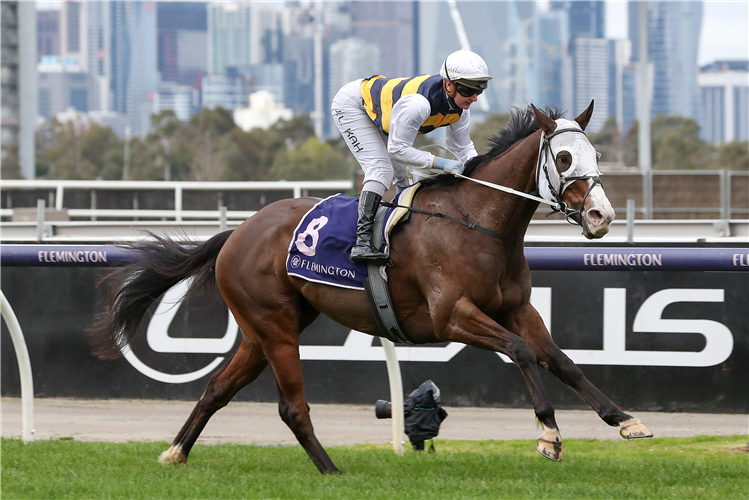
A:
<point x="650" y="340"/>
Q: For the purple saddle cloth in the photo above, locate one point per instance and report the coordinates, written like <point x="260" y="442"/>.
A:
<point x="322" y="242"/>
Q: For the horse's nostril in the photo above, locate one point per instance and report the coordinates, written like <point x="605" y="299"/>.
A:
<point x="595" y="216"/>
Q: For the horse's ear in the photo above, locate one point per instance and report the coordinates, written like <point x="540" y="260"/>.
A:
<point x="547" y="124"/>
<point x="584" y="117"/>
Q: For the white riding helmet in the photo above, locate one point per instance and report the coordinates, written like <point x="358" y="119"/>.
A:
<point x="465" y="67"/>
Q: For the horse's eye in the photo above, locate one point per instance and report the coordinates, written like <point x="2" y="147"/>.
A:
<point x="564" y="161"/>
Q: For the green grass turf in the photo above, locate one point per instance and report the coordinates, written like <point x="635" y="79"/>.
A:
<point x="699" y="467"/>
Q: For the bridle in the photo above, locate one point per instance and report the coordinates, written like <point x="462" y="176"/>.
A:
<point x="559" y="205"/>
<point x="556" y="202"/>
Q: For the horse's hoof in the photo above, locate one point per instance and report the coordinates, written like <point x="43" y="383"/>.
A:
<point x="634" y="429"/>
<point x="173" y="456"/>
<point x="549" y="444"/>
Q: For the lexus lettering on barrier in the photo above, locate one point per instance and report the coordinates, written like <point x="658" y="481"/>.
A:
<point x="718" y="339"/>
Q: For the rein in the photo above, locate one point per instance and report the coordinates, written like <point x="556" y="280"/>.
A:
<point x="469" y="225"/>
<point x="557" y="203"/>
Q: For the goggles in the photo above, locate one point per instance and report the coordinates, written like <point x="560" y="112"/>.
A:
<point x="467" y="91"/>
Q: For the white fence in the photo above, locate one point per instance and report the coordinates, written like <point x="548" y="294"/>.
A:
<point x="177" y="189"/>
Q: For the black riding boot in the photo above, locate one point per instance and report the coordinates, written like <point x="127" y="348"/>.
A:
<point x="363" y="249"/>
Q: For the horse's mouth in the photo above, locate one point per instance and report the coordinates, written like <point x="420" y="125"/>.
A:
<point x="594" y="232"/>
<point x="596" y="222"/>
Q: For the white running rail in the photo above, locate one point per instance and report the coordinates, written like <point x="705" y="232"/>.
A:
<point x="24" y="367"/>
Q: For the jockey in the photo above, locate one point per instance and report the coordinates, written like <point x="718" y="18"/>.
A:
<point x="379" y="118"/>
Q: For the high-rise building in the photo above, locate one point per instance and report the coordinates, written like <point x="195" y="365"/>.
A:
<point x="351" y="59"/>
<point x="176" y="97"/>
<point x="591" y="79"/>
<point x="133" y="62"/>
<point x="229" y="36"/>
<point x="268" y="78"/>
<point x="586" y="18"/>
<point x="394" y="28"/>
<point x="724" y="92"/>
<point x="245" y="53"/>
<point x="552" y="60"/>
<point x="299" y="73"/>
<point x="63" y="84"/>
<point x="619" y="55"/>
<point x="183" y="41"/>
<point x="19" y="88"/>
<point x="227" y="91"/>
<point x="629" y="97"/>
<point x="10" y="85"/>
<point x="48" y="33"/>
<point x="673" y="41"/>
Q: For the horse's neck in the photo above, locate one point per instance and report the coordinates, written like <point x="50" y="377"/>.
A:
<point x="506" y="213"/>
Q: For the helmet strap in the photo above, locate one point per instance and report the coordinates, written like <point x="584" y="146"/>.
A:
<point x="450" y="94"/>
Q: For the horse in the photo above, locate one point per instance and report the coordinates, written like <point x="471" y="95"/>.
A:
<point x="448" y="282"/>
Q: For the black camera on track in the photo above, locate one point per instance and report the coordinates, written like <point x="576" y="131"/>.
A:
<point x="383" y="409"/>
<point x="422" y="412"/>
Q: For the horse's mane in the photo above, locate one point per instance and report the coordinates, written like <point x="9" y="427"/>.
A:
<point x="522" y="123"/>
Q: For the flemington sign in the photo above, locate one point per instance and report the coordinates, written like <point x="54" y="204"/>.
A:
<point x="628" y="313"/>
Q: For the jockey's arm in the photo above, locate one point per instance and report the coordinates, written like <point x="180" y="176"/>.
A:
<point x="409" y="113"/>
<point x="458" y="140"/>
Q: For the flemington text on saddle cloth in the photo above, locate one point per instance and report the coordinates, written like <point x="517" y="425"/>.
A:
<point x="323" y="239"/>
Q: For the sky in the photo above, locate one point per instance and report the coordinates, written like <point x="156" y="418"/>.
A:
<point x="725" y="27"/>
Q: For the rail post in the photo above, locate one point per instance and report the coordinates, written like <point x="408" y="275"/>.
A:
<point x="630" y="221"/>
<point x="222" y="223"/>
<point x="396" y="394"/>
<point x="40" y="205"/>
<point x="24" y="368"/>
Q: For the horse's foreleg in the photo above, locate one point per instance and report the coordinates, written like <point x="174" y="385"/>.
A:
<point x="467" y="324"/>
<point x="244" y="367"/>
<point x="551" y="357"/>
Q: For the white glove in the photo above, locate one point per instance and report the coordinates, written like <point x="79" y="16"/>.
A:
<point x="449" y="166"/>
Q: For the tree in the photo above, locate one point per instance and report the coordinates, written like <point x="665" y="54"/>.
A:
<point x="11" y="164"/>
<point x="608" y="141"/>
<point x="166" y="151"/>
<point x="631" y="149"/>
<point x="79" y="151"/>
<point x="482" y="132"/>
<point x="314" y="160"/>
<point x="732" y="156"/>
<point x="251" y="155"/>
<point x="676" y="144"/>
<point x="201" y="137"/>
<point x="217" y="121"/>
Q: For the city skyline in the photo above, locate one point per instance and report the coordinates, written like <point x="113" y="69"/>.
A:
<point x="721" y="20"/>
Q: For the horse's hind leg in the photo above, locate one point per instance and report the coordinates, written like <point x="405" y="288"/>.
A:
<point x="551" y="357"/>
<point x="244" y="367"/>
<point x="282" y="349"/>
<point x="276" y="321"/>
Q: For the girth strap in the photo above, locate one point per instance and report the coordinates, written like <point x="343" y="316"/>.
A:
<point x="377" y="288"/>
<point x="468" y="224"/>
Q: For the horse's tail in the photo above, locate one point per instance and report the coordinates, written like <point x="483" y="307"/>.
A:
<point x="131" y="289"/>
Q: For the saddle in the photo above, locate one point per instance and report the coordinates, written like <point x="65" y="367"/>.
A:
<point x="321" y="244"/>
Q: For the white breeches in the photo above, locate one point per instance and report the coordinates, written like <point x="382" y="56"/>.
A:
<point x="365" y="140"/>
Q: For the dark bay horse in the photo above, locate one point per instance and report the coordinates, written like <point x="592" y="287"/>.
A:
<point x="448" y="282"/>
